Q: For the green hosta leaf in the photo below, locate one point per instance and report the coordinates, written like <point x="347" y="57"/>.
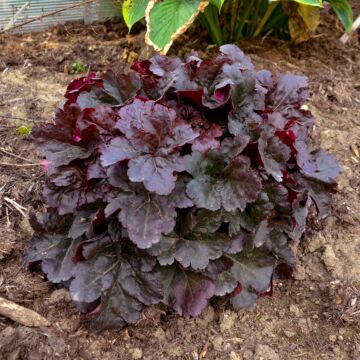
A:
<point x="318" y="3"/>
<point x="310" y="2"/>
<point x="218" y="3"/>
<point x="133" y="11"/>
<point x="168" y="19"/>
<point x="344" y="12"/>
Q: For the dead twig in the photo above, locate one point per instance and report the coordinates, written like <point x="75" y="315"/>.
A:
<point x="14" y="155"/>
<point x="17" y="206"/>
<point x="52" y="13"/>
<point x="21" y="314"/>
<point x="8" y="223"/>
<point x="19" y="165"/>
<point x="19" y="118"/>
<point x="10" y="101"/>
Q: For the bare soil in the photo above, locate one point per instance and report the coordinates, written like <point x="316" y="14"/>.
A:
<point x="315" y="315"/>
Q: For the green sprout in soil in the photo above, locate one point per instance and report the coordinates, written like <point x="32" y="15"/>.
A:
<point x="78" y="67"/>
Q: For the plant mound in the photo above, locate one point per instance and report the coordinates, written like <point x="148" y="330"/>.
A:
<point x="176" y="183"/>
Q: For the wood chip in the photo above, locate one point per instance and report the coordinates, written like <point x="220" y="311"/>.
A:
<point x="355" y="150"/>
<point x="21" y="314"/>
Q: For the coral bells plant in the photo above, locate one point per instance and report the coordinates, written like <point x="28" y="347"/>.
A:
<point x="176" y="183"/>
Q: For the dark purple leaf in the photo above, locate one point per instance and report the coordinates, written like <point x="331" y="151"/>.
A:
<point x="321" y="194"/>
<point x="242" y="184"/>
<point x="261" y="234"/>
<point x="325" y="168"/>
<point x="83" y="84"/>
<point x="56" y="252"/>
<point x="117" y="176"/>
<point x="118" y="149"/>
<point x="194" y="247"/>
<point x="208" y="140"/>
<point x="156" y="172"/>
<point x="146" y="217"/>
<point x="153" y="134"/>
<point x="95" y="171"/>
<point x="253" y="269"/>
<point x="290" y="91"/>
<point x="121" y="87"/>
<point x="233" y="55"/>
<point x="215" y="186"/>
<point x="232" y="147"/>
<point x="179" y="196"/>
<point x="250" y="218"/>
<point x="85" y="221"/>
<point x="122" y="285"/>
<point x="274" y="154"/>
<point x="162" y="65"/>
<point x="75" y="193"/>
<point x="218" y="270"/>
<point x="186" y="291"/>
<point x="300" y="211"/>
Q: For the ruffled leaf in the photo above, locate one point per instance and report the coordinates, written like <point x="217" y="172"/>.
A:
<point x="215" y="185"/>
<point x="145" y="216"/>
<point x="186" y="291"/>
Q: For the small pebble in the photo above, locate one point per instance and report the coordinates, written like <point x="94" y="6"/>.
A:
<point x="233" y="356"/>
<point x="136" y="354"/>
<point x="248" y="354"/>
<point x="289" y="334"/>
<point x="332" y="338"/>
<point x="160" y="334"/>
<point x="228" y="321"/>
<point x="217" y="343"/>
<point x="295" y="310"/>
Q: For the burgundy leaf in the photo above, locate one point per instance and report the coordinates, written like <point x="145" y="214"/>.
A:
<point x="153" y="134"/>
<point x="186" y="291"/>
<point x="232" y="147"/>
<point x="196" y="246"/>
<point x="208" y="139"/>
<point x="253" y="269"/>
<point x="156" y="172"/>
<point x="118" y="149"/>
<point x="215" y="186"/>
<point x="325" y="168"/>
<point x="146" y="217"/>
<point x="274" y="153"/>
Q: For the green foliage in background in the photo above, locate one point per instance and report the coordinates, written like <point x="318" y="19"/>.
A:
<point x="24" y="130"/>
<point x="228" y="21"/>
<point x="78" y="67"/>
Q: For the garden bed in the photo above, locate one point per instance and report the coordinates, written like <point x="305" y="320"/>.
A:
<point x="309" y="317"/>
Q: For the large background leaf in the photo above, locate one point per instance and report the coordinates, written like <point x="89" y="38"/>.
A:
<point x="133" y="11"/>
<point x="218" y="3"/>
<point x="168" y="19"/>
<point x="344" y="12"/>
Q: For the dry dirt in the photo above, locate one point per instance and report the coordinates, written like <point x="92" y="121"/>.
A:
<point x="315" y="315"/>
